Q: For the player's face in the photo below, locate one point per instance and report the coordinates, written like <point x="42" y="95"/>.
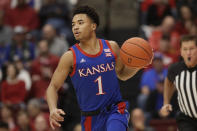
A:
<point x="189" y="53"/>
<point x="82" y="27"/>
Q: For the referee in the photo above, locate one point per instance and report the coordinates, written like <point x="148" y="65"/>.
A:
<point x="182" y="77"/>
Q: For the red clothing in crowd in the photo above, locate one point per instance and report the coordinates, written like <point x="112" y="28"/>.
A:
<point x="146" y="3"/>
<point x="156" y="36"/>
<point x="24" y="16"/>
<point x="13" y="93"/>
<point x="38" y="66"/>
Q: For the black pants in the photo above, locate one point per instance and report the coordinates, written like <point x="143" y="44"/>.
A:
<point x="186" y="123"/>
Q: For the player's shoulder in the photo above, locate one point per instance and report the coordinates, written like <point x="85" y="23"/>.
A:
<point x="114" y="46"/>
<point x="67" y="57"/>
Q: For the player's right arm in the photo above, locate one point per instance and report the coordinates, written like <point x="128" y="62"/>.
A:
<point x="58" y="78"/>
<point x="169" y="90"/>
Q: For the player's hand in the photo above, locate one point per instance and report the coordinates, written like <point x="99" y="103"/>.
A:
<point x="165" y="110"/>
<point x="56" y="117"/>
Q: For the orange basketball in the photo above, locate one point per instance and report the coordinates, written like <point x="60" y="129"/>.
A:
<point x="136" y="52"/>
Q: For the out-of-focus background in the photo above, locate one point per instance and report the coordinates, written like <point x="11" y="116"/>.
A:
<point x="35" y="33"/>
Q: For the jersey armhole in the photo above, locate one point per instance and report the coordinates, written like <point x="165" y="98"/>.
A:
<point x="74" y="62"/>
<point x="108" y="44"/>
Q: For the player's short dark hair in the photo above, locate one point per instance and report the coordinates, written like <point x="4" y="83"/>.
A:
<point x="89" y="11"/>
<point x="185" y="38"/>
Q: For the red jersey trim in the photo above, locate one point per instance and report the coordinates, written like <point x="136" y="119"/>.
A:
<point x="88" y="123"/>
<point x="89" y="55"/>
<point x="74" y="63"/>
<point x="111" y="49"/>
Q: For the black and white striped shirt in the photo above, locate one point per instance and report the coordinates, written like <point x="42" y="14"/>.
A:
<point x="185" y="81"/>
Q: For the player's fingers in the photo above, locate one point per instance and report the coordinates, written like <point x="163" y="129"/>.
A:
<point x="51" y="124"/>
<point x="57" y="117"/>
<point x="60" y="111"/>
<point x="55" y="123"/>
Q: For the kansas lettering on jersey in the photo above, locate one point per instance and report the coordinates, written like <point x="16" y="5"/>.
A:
<point x="94" y="77"/>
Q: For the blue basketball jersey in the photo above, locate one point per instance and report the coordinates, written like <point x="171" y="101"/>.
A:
<point x="94" y="77"/>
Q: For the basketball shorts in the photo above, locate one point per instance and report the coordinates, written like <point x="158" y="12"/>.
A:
<point x="114" y="119"/>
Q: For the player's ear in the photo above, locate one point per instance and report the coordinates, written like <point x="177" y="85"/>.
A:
<point x="94" y="26"/>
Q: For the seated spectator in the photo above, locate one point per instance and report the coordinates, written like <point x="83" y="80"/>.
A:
<point x="33" y="109"/>
<point x="155" y="100"/>
<point x="23" y="122"/>
<point x="7" y="117"/>
<point x="4" y="4"/>
<point x="166" y="28"/>
<point x="169" y="55"/>
<point x="5" y="37"/>
<point x="35" y="4"/>
<point x="157" y="11"/>
<point x="57" y="45"/>
<point x="150" y="78"/>
<point x="42" y="68"/>
<point x="13" y="90"/>
<point x="187" y="19"/>
<point x="20" y="48"/>
<point x="138" y="121"/>
<point x="23" y="15"/>
<point x="23" y="75"/>
<point x="41" y="123"/>
<point x="57" y="14"/>
<point x="3" y="126"/>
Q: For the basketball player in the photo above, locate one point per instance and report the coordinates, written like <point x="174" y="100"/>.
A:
<point x="93" y="65"/>
<point x="183" y="76"/>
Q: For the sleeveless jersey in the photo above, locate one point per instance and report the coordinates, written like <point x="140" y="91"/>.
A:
<point x="94" y="77"/>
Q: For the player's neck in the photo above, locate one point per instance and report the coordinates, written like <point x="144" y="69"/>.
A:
<point x="91" y="43"/>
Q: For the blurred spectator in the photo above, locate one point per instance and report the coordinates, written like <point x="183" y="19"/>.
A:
<point x="13" y="90"/>
<point x="23" y="75"/>
<point x="186" y="21"/>
<point x="41" y="123"/>
<point x="5" y="37"/>
<point x="23" y="122"/>
<point x="58" y="15"/>
<point x="7" y="116"/>
<point x="155" y="100"/>
<point x="157" y="12"/>
<point x="57" y="45"/>
<point x="191" y="3"/>
<point x="42" y="68"/>
<point x="138" y="121"/>
<point x="166" y="28"/>
<point x="3" y="126"/>
<point x="169" y="55"/>
<point x="77" y="127"/>
<point x="33" y="109"/>
<point x="150" y="78"/>
<point x="20" y="48"/>
<point x="35" y="4"/>
<point x="4" y="4"/>
<point x="23" y="15"/>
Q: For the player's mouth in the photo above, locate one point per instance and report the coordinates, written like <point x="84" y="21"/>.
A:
<point x="76" y="33"/>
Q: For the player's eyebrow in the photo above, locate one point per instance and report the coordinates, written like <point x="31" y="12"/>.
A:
<point x="80" y="20"/>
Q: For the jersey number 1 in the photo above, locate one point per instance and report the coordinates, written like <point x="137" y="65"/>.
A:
<point x="100" y="88"/>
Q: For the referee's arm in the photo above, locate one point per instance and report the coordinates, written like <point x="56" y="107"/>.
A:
<point x="169" y="90"/>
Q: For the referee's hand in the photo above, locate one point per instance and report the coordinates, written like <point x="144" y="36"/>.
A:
<point x="56" y="117"/>
<point x="165" y="110"/>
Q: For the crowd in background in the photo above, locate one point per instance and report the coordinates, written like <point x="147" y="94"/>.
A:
<point x="33" y="36"/>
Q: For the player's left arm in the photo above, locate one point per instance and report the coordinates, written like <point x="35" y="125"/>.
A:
<point x="123" y="72"/>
